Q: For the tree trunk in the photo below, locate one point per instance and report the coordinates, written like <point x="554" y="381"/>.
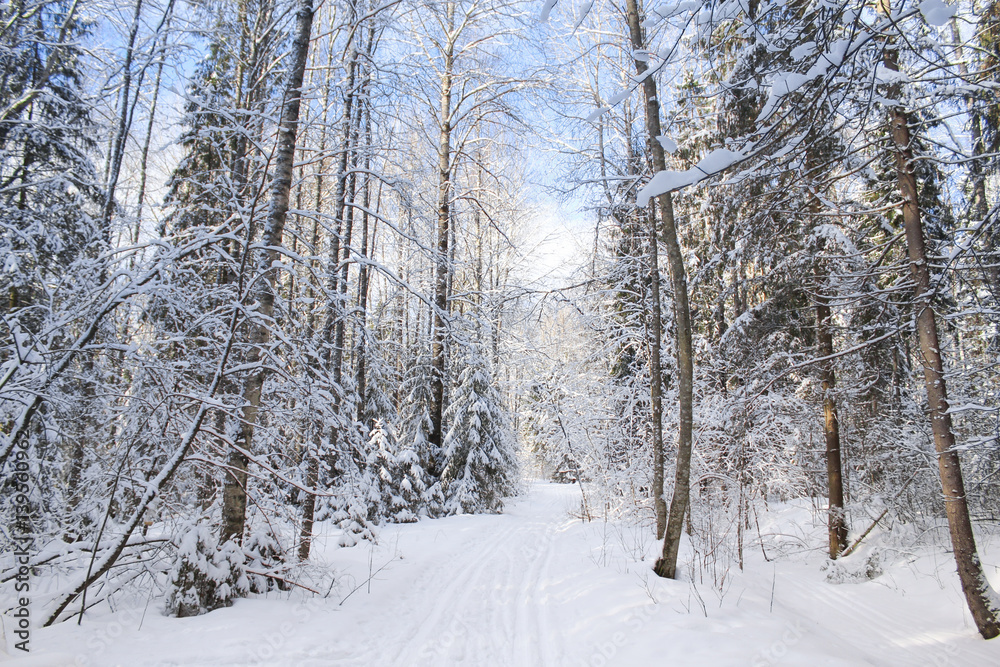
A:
<point x="335" y="313"/>
<point x="312" y="452"/>
<point x="339" y="346"/>
<point x="442" y="268"/>
<point x="121" y="134"/>
<point x="666" y="565"/>
<point x="656" y="376"/>
<point x="836" y="520"/>
<point x="234" y="495"/>
<point x="360" y="374"/>
<point x="970" y="572"/>
<point x="150" y="122"/>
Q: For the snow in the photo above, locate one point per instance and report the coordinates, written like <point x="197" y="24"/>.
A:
<point x="970" y="407"/>
<point x="582" y="13"/>
<point x="619" y="97"/>
<point x="936" y="12"/>
<point x="803" y="50"/>
<point x="786" y="83"/>
<point x="668" y="181"/>
<point x="669" y="145"/>
<point x="597" y="113"/>
<point x="669" y="11"/>
<point x="547" y="7"/>
<point x="888" y="76"/>
<point x="783" y="84"/>
<point x="536" y="586"/>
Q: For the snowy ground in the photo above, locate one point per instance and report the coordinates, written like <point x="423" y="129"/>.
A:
<point x="536" y="586"/>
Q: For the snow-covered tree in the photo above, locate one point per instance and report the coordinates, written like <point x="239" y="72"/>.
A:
<point x="402" y="481"/>
<point x="480" y="451"/>
<point x="206" y="575"/>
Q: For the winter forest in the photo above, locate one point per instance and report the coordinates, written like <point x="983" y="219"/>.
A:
<point x="500" y="332"/>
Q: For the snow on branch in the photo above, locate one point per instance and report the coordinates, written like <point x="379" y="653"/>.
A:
<point x="667" y="181"/>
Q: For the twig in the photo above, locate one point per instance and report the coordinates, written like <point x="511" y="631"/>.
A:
<point x="363" y="583"/>
<point x="774" y="576"/>
<point x="756" y="520"/>
<point x="283" y="580"/>
<point x="704" y="609"/>
<point x="849" y="550"/>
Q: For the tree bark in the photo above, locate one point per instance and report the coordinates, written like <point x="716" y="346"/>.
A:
<point x="234" y="495"/>
<point x="360" y="374"/>
<point x="836" y="520"/>
<point x="970" y="572"/>
<point x="442" y="268"/>
<point x="666" y="565"/>
<point x="656" y="376"/>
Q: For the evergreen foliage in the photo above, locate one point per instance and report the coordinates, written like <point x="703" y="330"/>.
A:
<point x="206" y="575"/>
<point x="481" y="465"/>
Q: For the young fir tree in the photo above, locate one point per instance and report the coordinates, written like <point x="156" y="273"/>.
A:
<point x="400" y="478"/>
<point x="416" y="417"/>
<point x="481" y="463"/>
<point x="206" y="576"/>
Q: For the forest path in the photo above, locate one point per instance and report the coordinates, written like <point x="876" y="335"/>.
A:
<point x="490" y="600"/>
<point x="537" y="587"/>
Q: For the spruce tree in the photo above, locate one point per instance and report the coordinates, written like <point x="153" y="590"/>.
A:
<point x="481" y="463"/>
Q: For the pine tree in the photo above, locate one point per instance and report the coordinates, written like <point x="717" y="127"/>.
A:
<point x="49" y="193"/>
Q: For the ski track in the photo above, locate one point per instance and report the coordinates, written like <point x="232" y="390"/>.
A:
<point x="489" y="604"/>
<point x="873" y="641"/>
<point x="518" y="589"/>
<point x="444" y="636"/>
